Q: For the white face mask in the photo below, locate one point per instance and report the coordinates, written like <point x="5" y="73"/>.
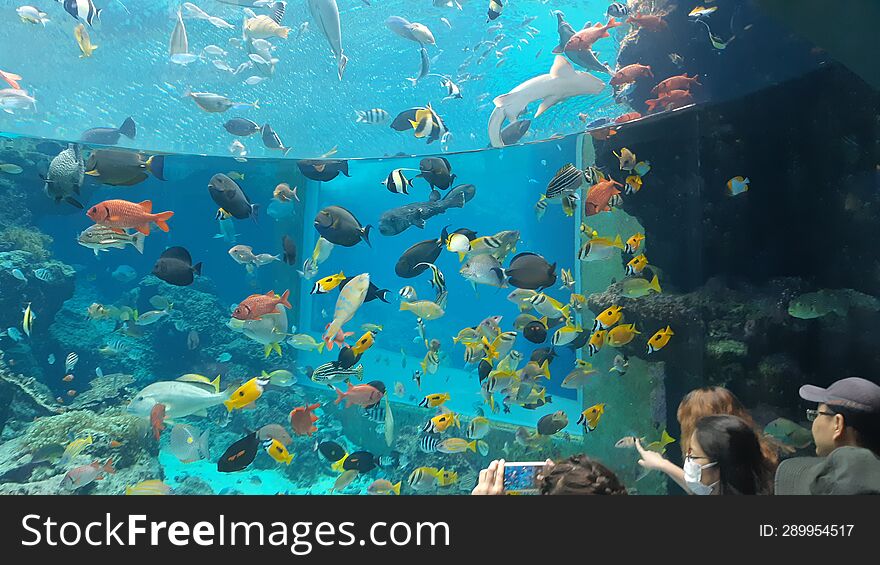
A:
<point x="693" y="473"/>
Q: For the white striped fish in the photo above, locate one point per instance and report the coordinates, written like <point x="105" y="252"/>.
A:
<point x="70" y="362"/>
<point x="82" y="10"/>
<point x="567" y="179"/>
<point x="374" y="116"/>
<point x="397" y="182"/>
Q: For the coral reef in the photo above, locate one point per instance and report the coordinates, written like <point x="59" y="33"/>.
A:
<point x="26" y="239"/>
<point x="105" y="391"/>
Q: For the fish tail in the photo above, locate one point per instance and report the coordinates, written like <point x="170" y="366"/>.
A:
<point x="655" y="284"/>
<point x="256" y="104"/>
<point x="156" y="165"/>
<point x="128" y="128"/>
<point x="472" y="446"/>
<point x="108" y="467"/>
<point x="284" y="299"/>
<point x="365" y="234"/>
<point x="339" y="396"/>
<point x="396" y="488"/>
<point x="161" y="220"/>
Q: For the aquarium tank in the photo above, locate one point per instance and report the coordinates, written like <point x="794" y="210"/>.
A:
<point x="369" y="246"/>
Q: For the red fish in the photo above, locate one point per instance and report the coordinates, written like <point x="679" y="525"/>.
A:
<point x="11" y="79"/>
<point x="603" y="134"/>
<point x="338" y="339"/>
<point x="362" y="395"/>
<point x="648" y="22"/>
<point x="670" y="100"/>
<point x="86" y="474"/>
<point x="599" y="196"/>
<point x="678" y="82"/>
<point x="302" y="419"/>
<point x="585" y="38"/>
<point x="628" y="117"/>
<point x="157" y="420"/>
<point x="255" y="306"/>
<point x="630" y="73"/>
<point x="121" y="214"/>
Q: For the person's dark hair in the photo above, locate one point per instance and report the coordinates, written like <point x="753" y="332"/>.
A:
<point x="581" y="475"/>
<point x="734" y="445"/>
<point x="866" y="425"/>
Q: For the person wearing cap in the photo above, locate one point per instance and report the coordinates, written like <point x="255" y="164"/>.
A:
<point x="846" y="430"/>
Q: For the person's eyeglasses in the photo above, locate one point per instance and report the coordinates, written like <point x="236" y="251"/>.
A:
<point x="813" y="414"/>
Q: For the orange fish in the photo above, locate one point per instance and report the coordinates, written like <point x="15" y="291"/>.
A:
<point x="302" y="419"/>
<point x="603" y="134"/>
<point x="338" y="339"/>
<point x="11" y="79"/>
<point x="648" y="21"/>
<point x="600" y="195"/>
<point x="71" y="393"/>
<point x="678" y="82"/>
<point x="585" y="38"/>
<point x="670" y="100"/>
<point x="362" y="395"/>
<point x="628" y="117"/>
<point x="67" y="378"/>
<point x="630" y="74"/>
<point x="255" y="306"/>
<point x="114" y="444"/>
<point x="157" y="420"/>
<point x="121" y="214"/>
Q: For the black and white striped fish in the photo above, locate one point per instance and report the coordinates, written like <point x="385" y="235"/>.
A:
<point x="332" y="372"/>
<point x="567" y="179"/>
<point x="438" y="281"/>
<point x="278" y="11"/>
<point x="408" y="293"/>
<point x="495" y="8"/>
<point x="374" y="116"/>
<point x="70" y="362"/>
<point x="397" y="182"/>
<point x="375" y="413"/>
<point x="429" y="443"/>
<point x="43" y="274"/>
<point x="617" y="10"/>
<point x="452" y="89"/>
<point x="82" y="10"/>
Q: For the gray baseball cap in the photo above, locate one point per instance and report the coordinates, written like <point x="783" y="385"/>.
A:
<point x="847" y="470"/>
<point x="854" y="393"/>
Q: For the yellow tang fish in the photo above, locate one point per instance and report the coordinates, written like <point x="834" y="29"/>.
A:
<point x="441" y="422"/>
<point x="633" y="243"/>
<point x="621" y="335"/>
<point x="327" y="284"/>
<point x="590" y="417"/>
<point x="434" y="400"/>
<point x="659" y="340"/>
<point x="608" y="317"/>
<point x="364" y="343"/>
<point x="636" y="264"/>
<point x="633" y="184"/>
<point x="246" y="394"/>
<point x="277" y="451"/>
<point x="84" y="41"/>
<point x="597" y="340"/>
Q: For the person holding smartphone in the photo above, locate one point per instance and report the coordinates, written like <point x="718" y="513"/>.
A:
<point x="577" y="475"/>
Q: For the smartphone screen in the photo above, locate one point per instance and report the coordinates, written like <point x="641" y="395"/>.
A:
<point x="522" y="478"/>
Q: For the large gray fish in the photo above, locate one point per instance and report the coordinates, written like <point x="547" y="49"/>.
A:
<point x="339" y="226"/>
<point x="437" y="171"/>
<point x="398" y="220"/>
<point x="180" y="399"/>
<point x="400" y="26"/>
<point x="65" y="175"/>
<point x="586" y="59"/>
<point x="323" y="170"/>
<point x="229" y="196"/>
<point x="326" y="15"/>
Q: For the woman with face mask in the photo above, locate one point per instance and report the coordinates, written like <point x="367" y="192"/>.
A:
<point x="724" y="457"/>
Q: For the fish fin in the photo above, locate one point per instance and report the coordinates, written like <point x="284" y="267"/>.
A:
<point x="156" y="165"/>
<point x="73" y="202"/>
<point x="137" y="241"/>
<point x="197" y="268"/>
<point x="146" y="206"/>
<point x="128" y="127"/>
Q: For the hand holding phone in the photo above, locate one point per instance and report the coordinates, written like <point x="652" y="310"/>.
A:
<point x="522" y="477"/>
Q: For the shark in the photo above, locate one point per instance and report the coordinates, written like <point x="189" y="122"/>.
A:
<point x="326" y="15"/>
<point x="561" y="83"/>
